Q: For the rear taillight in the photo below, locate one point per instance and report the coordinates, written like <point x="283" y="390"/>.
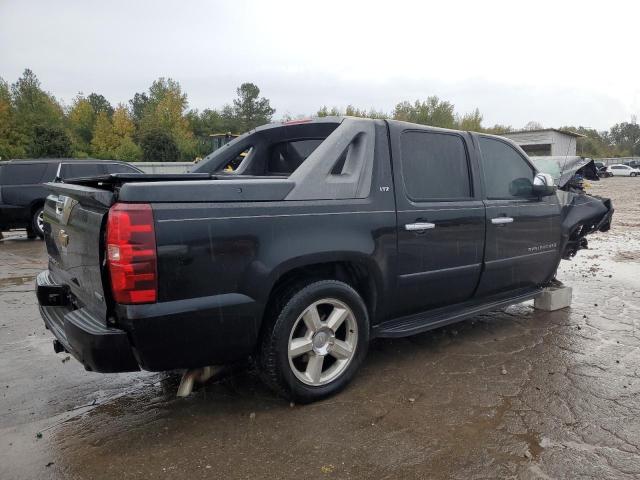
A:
<point x="131" y="253"/>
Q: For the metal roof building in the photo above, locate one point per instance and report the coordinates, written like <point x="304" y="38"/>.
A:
<point x="546" y="142"/>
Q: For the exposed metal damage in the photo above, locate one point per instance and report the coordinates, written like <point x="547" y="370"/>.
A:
<point x="582" y="214"/>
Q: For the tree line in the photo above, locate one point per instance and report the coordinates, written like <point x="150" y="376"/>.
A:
<point x="158" y="125"/>
<point x="155" y="125"/>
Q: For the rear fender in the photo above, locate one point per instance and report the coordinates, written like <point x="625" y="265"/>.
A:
<point x="317" y="260"/>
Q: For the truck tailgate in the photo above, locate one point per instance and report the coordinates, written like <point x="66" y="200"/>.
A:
<point x="74" y="222"/>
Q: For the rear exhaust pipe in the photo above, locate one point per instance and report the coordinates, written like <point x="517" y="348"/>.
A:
<point x="199" y="375"/>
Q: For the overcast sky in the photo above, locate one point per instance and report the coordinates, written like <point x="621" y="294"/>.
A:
<point x="555" y="62"/>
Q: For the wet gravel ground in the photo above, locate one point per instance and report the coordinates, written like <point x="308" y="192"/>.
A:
<point x="513" y="394"/>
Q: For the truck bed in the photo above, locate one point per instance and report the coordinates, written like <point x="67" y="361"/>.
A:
<point x="187" y="187"/>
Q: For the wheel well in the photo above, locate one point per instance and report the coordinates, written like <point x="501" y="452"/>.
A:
<point x="355" y="274"/>
<point x="36" y="205"/>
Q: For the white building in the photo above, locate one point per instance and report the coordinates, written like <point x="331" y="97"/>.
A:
<point x="547" y="142"/>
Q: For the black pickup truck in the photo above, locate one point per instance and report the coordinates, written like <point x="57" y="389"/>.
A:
<point x="327" y="233"/>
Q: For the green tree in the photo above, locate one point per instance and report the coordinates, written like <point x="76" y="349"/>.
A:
<point x="124" y="129"/>
<point x="203" y="124"/>
<point x="122" y="123"/>
<point x="159" y="146"/>
<point x="250" y="109"/>
<point x="35" y="112"/>
<point x="471" y="121"/>
<point x="326" y="112"/>
<point x="81" y="120"/>
<point x="104" y="141"/>
<point x="625" y="137"/>
<point x="100" y="104"/>
<point x="351" y="111"/>
<point x="50" y="142"/>
<point x="11" y="142"/>
<point x="533" y="125"/>
<point x="594" y="143"/>
<point x="138" y="104"/>
<point x="432" y="112"/>
<point x="128" y="151"/>
<point x="498" y="129"/>
<point x="164" y="111"/>
<point x="113" y="137"/>
<point x="230" y="122"/>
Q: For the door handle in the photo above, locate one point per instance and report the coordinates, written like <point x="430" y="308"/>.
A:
<point x="501" y="220"/>
<point x="419" y="226"/>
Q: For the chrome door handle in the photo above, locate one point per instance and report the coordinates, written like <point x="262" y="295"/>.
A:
<point x="418" y="226"/>
<point x="501" y="220"/>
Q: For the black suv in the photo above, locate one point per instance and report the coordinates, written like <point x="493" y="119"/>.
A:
<point x="22" y="190"/>
<point x="633" y="164"/>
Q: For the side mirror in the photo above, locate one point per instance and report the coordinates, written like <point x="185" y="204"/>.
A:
<point x="543" y="185"/>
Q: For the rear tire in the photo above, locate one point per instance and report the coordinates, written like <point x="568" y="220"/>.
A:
<point x="37" y="223"/>
<point x="314" y="341"/>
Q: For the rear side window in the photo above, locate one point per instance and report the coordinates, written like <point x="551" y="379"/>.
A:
<point x="434" y="166"/>
<point x="286" y="157"/>
<point x="506" y="174"/>
<point x="22" y="174"/>
<point x="79" y="170"/>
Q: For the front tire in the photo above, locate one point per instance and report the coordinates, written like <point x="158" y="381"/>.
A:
<point x="37" y="222"/>
<point x="316" y="337"/>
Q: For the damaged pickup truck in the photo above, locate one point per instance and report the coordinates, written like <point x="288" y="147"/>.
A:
<point x="297" y="243"/>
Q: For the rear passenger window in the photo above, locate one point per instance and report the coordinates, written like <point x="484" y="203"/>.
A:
<point x="79" y="170"/>
<point x="506" y="173"/>
<point x="434" y="166"/>
<point x="22" y="174"/>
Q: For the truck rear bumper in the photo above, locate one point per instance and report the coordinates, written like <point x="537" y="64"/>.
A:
<point x="98" y="348"/>
<point x="192" y="333"/>
<point x="160" y="336"/>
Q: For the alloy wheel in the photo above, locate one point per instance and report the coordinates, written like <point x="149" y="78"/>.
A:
<point x="322" y="342"/>
<point x="40" y="221"/>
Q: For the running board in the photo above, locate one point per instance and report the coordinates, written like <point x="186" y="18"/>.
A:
<point x="424" y="321"/>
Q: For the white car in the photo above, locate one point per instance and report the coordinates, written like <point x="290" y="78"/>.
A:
<point x="623" y="170"/>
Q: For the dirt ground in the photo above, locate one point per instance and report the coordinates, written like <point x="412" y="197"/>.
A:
<point x="513" y="394"/>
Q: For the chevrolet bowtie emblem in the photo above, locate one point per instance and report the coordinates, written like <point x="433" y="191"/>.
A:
<point x="63" y="238"/>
